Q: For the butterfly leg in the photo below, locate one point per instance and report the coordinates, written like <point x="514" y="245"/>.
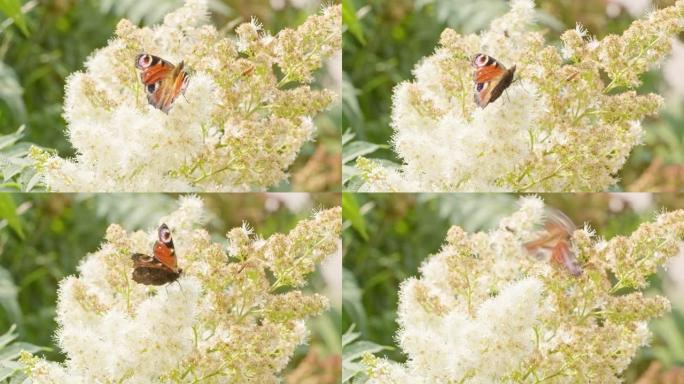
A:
<point x="180" y="286"/>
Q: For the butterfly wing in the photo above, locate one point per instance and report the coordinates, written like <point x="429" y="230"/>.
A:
<point x="154" y="68"/>
<point x="491" y="79"/>
<point x="163" y="81"/>
<point x="559" y="220"/>
<point x="164" y="251"/>
<point x="557" y="240"/>
<point x="150" y="271"/>
<point x="170" y="87"/>
<point x="562" y="255"/>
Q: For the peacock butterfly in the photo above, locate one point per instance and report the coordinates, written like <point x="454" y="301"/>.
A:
<point x="163" y="81"/>
<point x="556" y="242"/>
<point x="491" y="79"/>
<point x="162" y="267"/>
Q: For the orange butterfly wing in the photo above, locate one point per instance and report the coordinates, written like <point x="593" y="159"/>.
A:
<point x="488" y="73"/>
<point x="156" y="73"/>
<point x="165" y="255"/>
<point x="170" y="87"/>
<point x="164" y="250"/>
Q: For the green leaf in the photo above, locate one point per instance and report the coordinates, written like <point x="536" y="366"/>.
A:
<point x="358" y="148"/>
<point x="354" y="184"/>
<point x="347" y="136"/>
<point x="353" y="350"/>
<point x="12" y="8"/>
<point x="351" y="212"/>
<point x="8" y="337"/>
<point x="8" y="211"/>
<point x="9" y="302"/>
<point x="352" y="304"/>
<point x="351" y="21"/>
<point x="12" y="351"/>
<point x="11" y="92"/>
<point x="351" y="111"/>
<point x="348" y="172"/>
<point x="10" y="369"/>
<point x="359" y="348"/>
<point x="9" y="140"/>
<point x="349" y="336"/>
<point x="16" y="167"/>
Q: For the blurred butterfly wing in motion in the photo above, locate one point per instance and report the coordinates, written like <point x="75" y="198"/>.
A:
<point x="562" y="255"/>
<point x="491" y="79"/>
<point x="161" y="268"/>
<point x="557" y="240"/>
<point x="163" y="81"/>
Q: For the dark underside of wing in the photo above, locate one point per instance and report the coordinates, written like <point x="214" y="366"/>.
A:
<point x="150" y="271"/>
<point x="154" y="276"/>
<point x="502" y="85"/>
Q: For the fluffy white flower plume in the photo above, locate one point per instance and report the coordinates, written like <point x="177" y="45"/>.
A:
<point x="223" y="321"/>
<point x="557" y="127"/>
<point x="486" y="310"/>
<point x="238" y="126"/>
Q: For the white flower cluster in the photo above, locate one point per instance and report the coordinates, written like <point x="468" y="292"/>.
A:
<point x="487" y="311"/>
<point x="557" y="127"/>
<point x="497" y="338"/>
<point x="236" y="128"/>
<point x="220" y="322"/>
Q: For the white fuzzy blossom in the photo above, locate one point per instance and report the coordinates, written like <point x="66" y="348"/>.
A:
<point x="485" y="311"/>
<point x="222" y="321"/>
<point x="238" y="126"/>
<point x="557" y="127"/>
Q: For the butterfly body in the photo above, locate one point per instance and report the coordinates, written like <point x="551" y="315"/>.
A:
<point x="556" y="243"/>
<point x="162" y="267"/>
<point x="491" y="79"/>
<point x="163" y="81"/>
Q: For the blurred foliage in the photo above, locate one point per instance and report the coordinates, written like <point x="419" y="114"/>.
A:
<point x="10" y="369"/>
<point x="352" y="149"/>
<point x="43" y="237"/>
<point x="15" y="165"/>
<point x="353" y="350"/>
<point x="387" y="237"/>
<point x="386" y="39"/>
<point x="62" y="33"/>
<point x="13" y="10"/>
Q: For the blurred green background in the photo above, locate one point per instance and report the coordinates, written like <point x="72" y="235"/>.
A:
<point x="387" y="236"/>
<point x="46" y="40"/>
<point x="43" y="237"/>
<point x="384" y="40"/>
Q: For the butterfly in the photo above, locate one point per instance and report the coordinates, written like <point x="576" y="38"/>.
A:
<point x="491" y="79"/>
<point x="163" y="81"/>
<point x="557" y="242"/>
<point x="160" y="269"/>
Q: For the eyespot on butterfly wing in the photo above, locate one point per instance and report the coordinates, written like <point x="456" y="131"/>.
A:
<point x="491" y="79"/>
